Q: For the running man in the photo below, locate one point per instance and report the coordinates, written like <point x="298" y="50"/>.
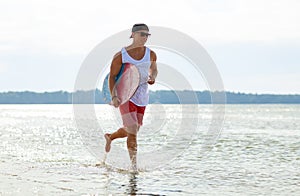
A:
<point x="132" y="112"/>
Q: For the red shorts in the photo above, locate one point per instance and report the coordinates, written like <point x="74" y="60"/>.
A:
<point x="132" y="114"/>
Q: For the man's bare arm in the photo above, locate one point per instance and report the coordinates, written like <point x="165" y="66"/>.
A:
<point x="153" y="68"/>
<point x="114" y="70"/>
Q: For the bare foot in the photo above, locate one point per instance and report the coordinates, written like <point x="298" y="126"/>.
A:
<point x="108" y="142"/>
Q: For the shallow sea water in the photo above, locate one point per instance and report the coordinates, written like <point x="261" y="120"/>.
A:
<point x="42" y="152"/>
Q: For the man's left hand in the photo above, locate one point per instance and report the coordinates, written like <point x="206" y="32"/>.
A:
<point x="151" y="80"/>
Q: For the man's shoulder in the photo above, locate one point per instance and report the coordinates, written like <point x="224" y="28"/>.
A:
<point x="117" y="59"/>
<point x="152" y="54"/>
<point x="118" y="54"/>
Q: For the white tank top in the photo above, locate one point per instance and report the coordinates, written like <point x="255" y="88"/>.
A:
<point x="141" y="96"/>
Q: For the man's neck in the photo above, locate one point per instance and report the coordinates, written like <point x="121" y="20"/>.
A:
<point x="136" y="45"/>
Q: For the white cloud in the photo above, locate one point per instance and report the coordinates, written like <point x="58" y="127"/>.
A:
<point x="74" y="27"/>
<point x="3" y="67"/>
<point x="264" y="83"/>
<point x="247" y="20"/>
<point x="68" y="27"/>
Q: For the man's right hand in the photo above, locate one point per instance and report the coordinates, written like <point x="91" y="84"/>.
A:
<point x="115" y="101"/>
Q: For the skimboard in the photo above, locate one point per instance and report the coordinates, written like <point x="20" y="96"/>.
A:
<point x="127" y="81"/>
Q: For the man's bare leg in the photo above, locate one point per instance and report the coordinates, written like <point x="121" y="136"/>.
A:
<point x="132" y="148"/>
<point x="120" y="133"/>
<point x="131" y="134"/>
<point x="132" y="144"/>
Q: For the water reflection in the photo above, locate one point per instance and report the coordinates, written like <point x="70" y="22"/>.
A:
<point x="133" y="189"/>
<point x="132" y="186"/>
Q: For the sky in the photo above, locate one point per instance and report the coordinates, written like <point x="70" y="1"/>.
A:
<point x="255" y="44"/>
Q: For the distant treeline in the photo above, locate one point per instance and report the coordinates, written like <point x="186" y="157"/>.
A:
<point x="162" y="96"/>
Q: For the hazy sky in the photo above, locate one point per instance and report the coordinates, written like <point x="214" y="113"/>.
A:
<point x="254" y="43"/>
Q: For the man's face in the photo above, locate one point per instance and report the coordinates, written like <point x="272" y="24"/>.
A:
<point x="141" y="36"/>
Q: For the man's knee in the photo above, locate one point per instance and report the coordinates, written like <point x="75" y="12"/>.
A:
<point x="131" y="142"/>
<point x="132" y="130"/>
<point x="131" y="136"/>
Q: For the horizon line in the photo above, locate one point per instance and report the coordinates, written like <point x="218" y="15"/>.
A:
<point x="234" y="92"/>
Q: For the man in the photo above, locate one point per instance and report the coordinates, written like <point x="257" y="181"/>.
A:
<point x="132" y="112"/>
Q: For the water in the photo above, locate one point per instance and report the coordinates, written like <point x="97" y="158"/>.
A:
<point x="258" y="153"/>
